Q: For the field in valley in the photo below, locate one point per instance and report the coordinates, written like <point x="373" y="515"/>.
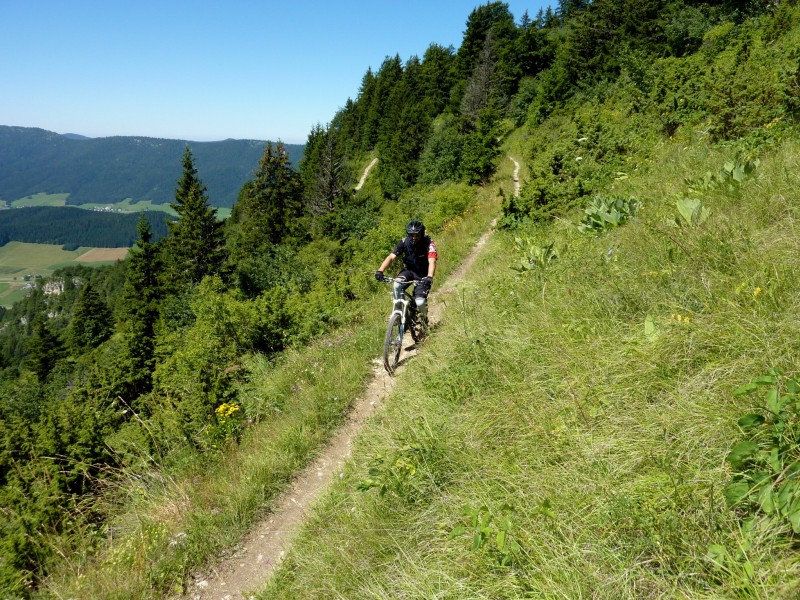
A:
<point x="21" y="264"/>
<point x="124" y="206"/>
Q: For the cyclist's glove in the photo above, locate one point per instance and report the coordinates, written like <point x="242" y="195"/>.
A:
<point x="378" y="275"/>
<point x="426" y="283"/>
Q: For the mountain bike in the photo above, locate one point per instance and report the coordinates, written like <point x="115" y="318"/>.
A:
<point x="404" y="317"/>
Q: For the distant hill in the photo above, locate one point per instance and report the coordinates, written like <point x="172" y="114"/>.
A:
<point x="72" y="227"/>
<point x="111" y="169"/>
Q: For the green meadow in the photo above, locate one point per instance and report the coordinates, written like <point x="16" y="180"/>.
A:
<point x="125" y="206"/>
<point x="19" y="260"/>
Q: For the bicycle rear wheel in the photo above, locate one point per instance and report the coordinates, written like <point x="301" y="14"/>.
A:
<point x="393" y="344"/>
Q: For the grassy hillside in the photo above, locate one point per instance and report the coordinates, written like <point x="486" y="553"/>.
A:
<point x="565" y="433"/>
<point x="609" y="408"/>
<point x="293" y="403"/>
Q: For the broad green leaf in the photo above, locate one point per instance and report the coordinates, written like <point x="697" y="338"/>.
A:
<point x="794" y="519"/>
<point x="741" y="452"/>
<point x="792" y="386"/>
<point x="774" y="461"/>
<point x="773" y="402"/>
<point x="787" y="495"/>
<point x="751" y="420"/>
<point x="457" y="531"/>
<point x="766" y="499"/>
<point x="501" y="540"/>
<point x="794" y="514"/>
<point x="745" y="389"/>
<point x="717" y="554"/>
<point x="749" y="570"/>
<point x="765" y="380"/>
<point x="477" y="541"/>
<point x="736" y="492"/>
<point x="650" y="327"/>
<point x="687" y="207"/>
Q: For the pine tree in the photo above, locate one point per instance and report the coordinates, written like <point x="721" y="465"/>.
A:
<point x="44" y="349"/>
<point x="481" y="21"/>
<point x="270" y="207"/>
<point x="324" y="172"/>
<point x="91" y="321"/>
<point x="195" y="246"/>
<point x="140" y="307"/>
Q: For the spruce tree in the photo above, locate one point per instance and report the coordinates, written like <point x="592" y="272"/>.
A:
<point x="44" y="349"/>
<point x="270" y="207"/>
<point x="140" y="307"/>
<point x="325" y="176"/>
<point x="196" y="244"/>
<point x="91" y="321"/>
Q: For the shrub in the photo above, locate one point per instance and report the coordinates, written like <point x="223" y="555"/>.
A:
<point x="606" y="212"/>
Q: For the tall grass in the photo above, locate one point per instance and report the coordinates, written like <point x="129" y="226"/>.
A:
<point x="564" y="432"/>
<point x="168" y="523"/>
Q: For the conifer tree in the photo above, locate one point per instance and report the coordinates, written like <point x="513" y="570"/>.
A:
<point x="196" y="244"/>
<point x="270" y="207"/>
<point x="324" y="172"/>
<point x="481" y="21"/>
<point x="140" y="306"/>
<point x="91" y="321"/>
<point x="44" y="349"/>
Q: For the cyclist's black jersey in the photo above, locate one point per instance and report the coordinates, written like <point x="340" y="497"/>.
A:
<point x="415" y="256"/>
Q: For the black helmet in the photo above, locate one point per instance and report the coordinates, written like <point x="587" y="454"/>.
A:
<point x="415" y="228"/>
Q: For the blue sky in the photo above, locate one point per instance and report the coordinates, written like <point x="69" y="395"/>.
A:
<point x="206" y="70"/>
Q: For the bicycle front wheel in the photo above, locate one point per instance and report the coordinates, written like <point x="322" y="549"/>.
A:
<point x="393" y="344"/>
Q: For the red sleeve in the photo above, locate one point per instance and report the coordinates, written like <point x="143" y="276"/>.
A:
<point x="432" y="250"/>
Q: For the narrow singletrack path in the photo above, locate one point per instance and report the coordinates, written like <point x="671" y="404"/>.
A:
<point x="365" y="173"/>
<point x="257" y="556"/>
<point x="515" y="176"/>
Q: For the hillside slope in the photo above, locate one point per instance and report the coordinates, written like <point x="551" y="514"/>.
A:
<point x="609" y="408"/>
<point x="106" y="170"/>
<point x="565" y="432"/>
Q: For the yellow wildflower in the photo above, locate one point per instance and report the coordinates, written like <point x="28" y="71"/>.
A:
<point x="757" y="292"/>
<point x="225" y="410"/>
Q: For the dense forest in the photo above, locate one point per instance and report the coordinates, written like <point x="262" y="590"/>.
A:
<point x="112" y="169"/>
<point x="137" y="367"/>
<point x="72" y="227"/>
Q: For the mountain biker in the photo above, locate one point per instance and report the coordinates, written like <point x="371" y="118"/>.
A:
<point x="419" y="256"/>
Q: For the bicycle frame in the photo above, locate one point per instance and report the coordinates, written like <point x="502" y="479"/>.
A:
<point x="402" y="301"/>
<point x="404" y="310"/>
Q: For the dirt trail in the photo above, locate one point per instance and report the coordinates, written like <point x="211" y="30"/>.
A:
<point x="365" y="173"/>
<point x="261" y="551"/>
<point x="515" y="176"/>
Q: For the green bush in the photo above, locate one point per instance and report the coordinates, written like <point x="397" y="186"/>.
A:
<point x="607" y="212"/>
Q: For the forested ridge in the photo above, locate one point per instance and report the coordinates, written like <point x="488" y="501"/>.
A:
<point x="72" y="227"/>
<point x="138" y="373"/>
<point x="112" y="169"/>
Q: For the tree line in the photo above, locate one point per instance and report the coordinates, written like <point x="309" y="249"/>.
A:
<point x="74" y="227"/>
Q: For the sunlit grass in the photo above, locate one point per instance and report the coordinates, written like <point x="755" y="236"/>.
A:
<point x="574" y="402"/>
<point x="165" y="525"/>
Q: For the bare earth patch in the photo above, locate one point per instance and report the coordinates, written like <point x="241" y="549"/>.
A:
<point x="103" y="255"/>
